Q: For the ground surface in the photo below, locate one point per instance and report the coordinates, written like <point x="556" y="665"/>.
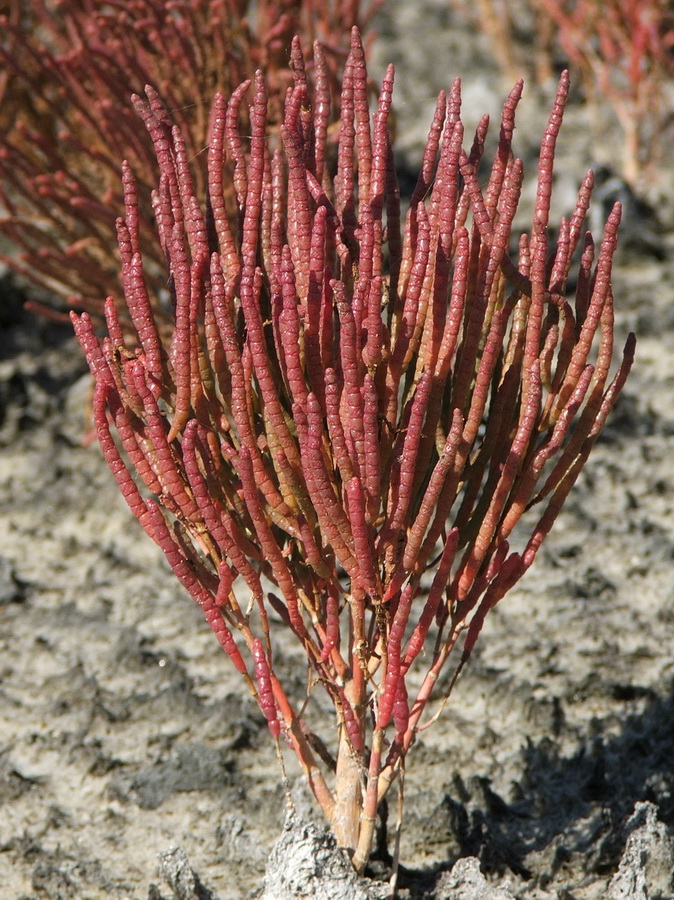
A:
<point x="123" y="730"/>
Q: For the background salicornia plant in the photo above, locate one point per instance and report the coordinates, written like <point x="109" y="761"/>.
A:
<point x="362" y="429"/>
<point x="620" y="50"/>
<point x="66" y="73"/>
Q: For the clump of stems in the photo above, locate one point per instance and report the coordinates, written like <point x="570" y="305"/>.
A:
<point x="66" y="73"/>
<point x="365" y="424"/>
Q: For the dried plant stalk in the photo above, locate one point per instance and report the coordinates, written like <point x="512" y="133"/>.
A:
<point x="370" y="420"/>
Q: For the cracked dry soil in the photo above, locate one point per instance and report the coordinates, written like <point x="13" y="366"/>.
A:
<point x="124" y="731"/>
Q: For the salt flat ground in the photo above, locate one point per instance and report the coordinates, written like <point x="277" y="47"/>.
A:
<point x="124" y="731"/>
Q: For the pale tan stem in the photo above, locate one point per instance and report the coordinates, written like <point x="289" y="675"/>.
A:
<point x="368" y="818"/>
<point x="348" y="787"/>
<point x="393" y="883"/>
<point x="302" y="750"/>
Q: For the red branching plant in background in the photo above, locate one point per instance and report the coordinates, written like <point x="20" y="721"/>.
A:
<point x="363" y="429"/>
<point x="66" y="73"/>
<point x="623" y="50"/>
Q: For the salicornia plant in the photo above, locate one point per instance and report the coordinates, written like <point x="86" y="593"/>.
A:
<point x="355" y="416"/>
<point x="622" y="51"/>
<point x="66" y="72"/>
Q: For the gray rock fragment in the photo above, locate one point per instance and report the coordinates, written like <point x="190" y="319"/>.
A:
<point x="175" y="869"/>
<point x="10" y="588"/>
<point x="466" y="882"/>
<point x="647" y="864"/>
<point x="306" y="863"/>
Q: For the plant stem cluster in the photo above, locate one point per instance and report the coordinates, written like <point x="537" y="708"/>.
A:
<point x="66" y="73"/>
<point x="355" y="409"/>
